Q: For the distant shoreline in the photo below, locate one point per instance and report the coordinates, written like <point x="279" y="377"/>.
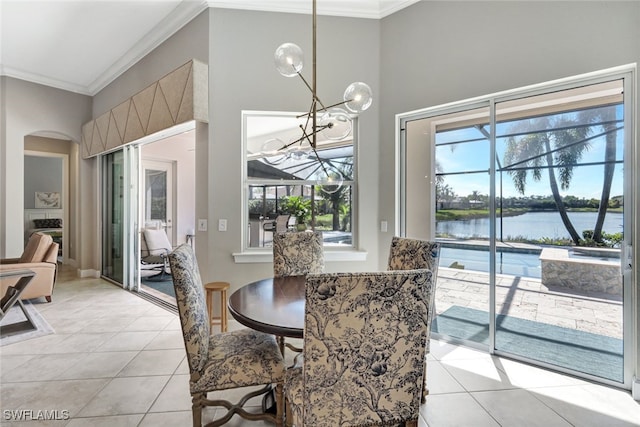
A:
<point x="467" y="214"/>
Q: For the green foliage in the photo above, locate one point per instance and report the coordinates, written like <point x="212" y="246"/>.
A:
<point x="608" y="240"/>
<point x="256" y="206"/>
<point x="345" y="214"/>
<point x="463" y="214"/>
<point x="298" y="207"/>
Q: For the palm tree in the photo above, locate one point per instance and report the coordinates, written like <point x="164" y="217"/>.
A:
<point x="547" y="143"/>
<point x="341" y="196"/>
<point x="607" y="117"/>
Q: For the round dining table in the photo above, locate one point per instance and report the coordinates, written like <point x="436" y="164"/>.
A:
<point x="274" y="305"/>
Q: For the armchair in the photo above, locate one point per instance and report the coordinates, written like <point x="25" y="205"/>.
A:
<point x="40" y="256"/>
<point x="155" y="248"/>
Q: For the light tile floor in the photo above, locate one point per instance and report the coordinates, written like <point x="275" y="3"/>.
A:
<point x="118" y="360"/>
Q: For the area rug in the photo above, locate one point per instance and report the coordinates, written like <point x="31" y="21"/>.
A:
<point x="16" y="315"/>
<point x="586" y="352"/>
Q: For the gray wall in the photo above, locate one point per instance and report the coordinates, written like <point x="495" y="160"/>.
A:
<point x="438" y="52"/>
<point x="29" y="108"/>
<point x="190" y="42"/>
<point x="243" y="77"/>
<point x="41" y="174"/>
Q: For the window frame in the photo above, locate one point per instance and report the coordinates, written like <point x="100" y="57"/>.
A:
<point x="264" y="254"/>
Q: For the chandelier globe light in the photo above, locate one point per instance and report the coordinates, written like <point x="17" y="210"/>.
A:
<point x="333" y="122"/>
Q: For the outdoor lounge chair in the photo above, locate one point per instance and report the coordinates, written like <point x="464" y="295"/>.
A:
<point x="155" y="248"/>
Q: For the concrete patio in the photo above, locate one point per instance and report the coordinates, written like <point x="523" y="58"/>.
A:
<point x="528" y="298"/>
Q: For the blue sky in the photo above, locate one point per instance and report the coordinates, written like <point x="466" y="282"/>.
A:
<point x="586" y="181"/>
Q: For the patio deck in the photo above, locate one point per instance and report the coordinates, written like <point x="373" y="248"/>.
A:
<point x="528" y="298"/>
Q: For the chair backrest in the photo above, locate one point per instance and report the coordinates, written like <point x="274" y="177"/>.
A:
<point x="297" y="253"/>
<point x="38" y="248"/>
<point x="282" y="223"/>
<point x="364" y="346"/>
<point x="410" y="254"/>
<point x="155" y="242"/>
<point x="192" y="306"/>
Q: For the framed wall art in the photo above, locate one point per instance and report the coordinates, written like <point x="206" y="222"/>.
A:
<point x="47" y="200"/>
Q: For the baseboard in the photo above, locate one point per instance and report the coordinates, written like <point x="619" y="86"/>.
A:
<point x="89" y="273"/>
<point x="635" y="388"/>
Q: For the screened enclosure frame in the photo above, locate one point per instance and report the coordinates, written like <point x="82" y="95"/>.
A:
<point x="300" y="173"/>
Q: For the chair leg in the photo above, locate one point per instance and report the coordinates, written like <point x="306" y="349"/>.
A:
<point x="287" y="411"/>
<point x="279" y="405"/>
<point x="413" y="423"/>
<point x="196" y="409"/>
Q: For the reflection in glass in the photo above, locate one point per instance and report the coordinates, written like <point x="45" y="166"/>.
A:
<point x="112" y="216"/>
<point x="323" y="179"/>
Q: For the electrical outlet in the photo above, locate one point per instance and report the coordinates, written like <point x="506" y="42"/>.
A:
<point x="222" y="225"/>
<point x="202" y="225"/>
<point x="384" y="226"/>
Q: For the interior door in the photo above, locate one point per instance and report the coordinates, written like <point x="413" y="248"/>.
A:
<point x="157" y="203"/>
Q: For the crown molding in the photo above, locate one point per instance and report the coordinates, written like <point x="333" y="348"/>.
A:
<point x="43" y="80"/>
<point x="369" y="9"/>
<point x="355" y="9"/>
<point x="188" y="10"/>
<point x="393" y="7"/>
<point x="182" y="15"/>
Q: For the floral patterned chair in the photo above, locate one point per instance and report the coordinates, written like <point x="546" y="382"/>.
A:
<point x="364" y="343"/>
<point x="407" y="254"/>
<point x="297" y="253"/>
<point x="222" y="361"/>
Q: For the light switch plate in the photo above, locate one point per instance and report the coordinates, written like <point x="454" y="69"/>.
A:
<point x="222" y="225"/>
<point x="202" y="225"/>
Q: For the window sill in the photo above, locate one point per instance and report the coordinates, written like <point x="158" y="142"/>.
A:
<point x="329" y="256"/>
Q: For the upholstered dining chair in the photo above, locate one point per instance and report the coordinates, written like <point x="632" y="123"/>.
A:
<point x="229" y="360"/>
<point x="364" y="346"/>
<point x="406" y="254"/>
<point x="297" y="253"/>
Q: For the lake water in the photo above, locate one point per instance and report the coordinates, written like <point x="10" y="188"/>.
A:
<point x="531" y="225"/>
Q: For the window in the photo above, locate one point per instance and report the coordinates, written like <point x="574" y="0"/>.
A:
<point x="284" y="177"/>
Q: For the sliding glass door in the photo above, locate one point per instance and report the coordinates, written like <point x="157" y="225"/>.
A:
<point x="446" y="172"/>
<point x="113" y="216"/>
<point x="559" y="160"/>
<point x="119" y="171"/>
<point x="526" y="192"/>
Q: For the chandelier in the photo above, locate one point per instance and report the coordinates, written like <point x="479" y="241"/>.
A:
<point x="333" y="121"/>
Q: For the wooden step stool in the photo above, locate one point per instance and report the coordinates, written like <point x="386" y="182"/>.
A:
<point x="221" y="287"/>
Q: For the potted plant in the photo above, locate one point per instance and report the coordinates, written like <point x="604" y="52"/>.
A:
<point x="298" y="207"/>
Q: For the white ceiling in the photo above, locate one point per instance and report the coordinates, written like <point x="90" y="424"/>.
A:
<point x="83" y="45"/>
